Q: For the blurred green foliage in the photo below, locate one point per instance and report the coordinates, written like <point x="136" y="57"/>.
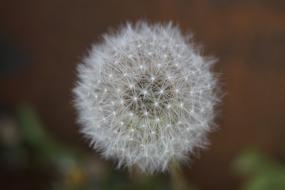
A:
<point x="260" y="172"/>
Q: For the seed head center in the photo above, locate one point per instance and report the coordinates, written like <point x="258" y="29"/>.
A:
<point x="148" y="97"/>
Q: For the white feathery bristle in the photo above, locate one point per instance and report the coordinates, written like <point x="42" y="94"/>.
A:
<point x="146" y="97"/>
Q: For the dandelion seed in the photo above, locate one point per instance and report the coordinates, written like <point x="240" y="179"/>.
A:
<point x="145" y="113"/>
<point x="144" y="92"/>
<point x="155" y="104"/>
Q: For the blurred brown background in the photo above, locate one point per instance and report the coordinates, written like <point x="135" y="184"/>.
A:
<point x="248" y="38"/>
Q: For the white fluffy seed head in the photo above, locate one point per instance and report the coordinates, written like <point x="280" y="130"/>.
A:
<point x="145" y="96"/>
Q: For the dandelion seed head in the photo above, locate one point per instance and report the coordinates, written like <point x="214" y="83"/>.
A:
<point x="143" y="93"/>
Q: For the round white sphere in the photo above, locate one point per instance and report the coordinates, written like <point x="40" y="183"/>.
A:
<point x="145" y="96"/>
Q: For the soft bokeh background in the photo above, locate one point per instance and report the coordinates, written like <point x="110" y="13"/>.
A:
<point x="41" y="42"/>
